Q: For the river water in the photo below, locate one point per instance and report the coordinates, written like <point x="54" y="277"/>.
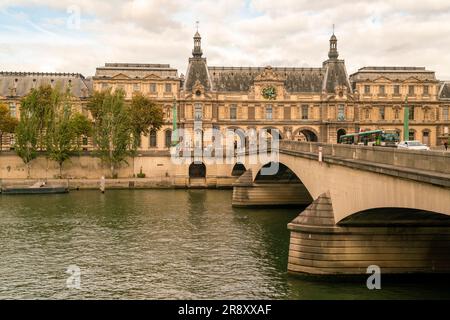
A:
<point x="161" y="244"/>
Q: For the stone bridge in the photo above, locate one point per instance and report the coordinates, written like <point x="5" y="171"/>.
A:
<point x="365" y="206"/>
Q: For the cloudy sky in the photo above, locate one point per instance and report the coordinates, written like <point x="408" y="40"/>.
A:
<point x="78" y="36"/>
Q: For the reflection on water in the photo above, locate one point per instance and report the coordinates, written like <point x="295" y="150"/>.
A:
<point x="160" y="244"/>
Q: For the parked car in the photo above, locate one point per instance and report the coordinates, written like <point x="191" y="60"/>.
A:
<point x="412" y="145"/>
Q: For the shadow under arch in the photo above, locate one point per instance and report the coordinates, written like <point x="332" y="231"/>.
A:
<point x="238" y="170"/>
<point x="276" y="172"/>
<point x="394" y="216"/>
<point x="197" y="170"/>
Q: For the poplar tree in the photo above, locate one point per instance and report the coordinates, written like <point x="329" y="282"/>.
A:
<point x="112" y="128"/>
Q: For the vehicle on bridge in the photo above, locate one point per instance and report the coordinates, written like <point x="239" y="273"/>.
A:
<point x="384" y="138"/>
<point x="412" y="145"/>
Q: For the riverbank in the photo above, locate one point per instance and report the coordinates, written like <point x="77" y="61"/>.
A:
<point x="129" y="183"/>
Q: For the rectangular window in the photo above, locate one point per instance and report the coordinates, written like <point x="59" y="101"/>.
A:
<point x="104" y="86"/>
<point x="198" y="112"/>
<point x="397" y="90"/>
<point x="136" y="87"/>
<point x="12" y="109"/>
<point x="251" y="113"/>
<point x="382" y="90"/>
<point x="382" y="113"/>
<point x="152" y="87"/>
<point x="367" y="89"/>
<point x="233" y="112"/>
<point x="411" y="113"/>
<point x="341" y="112"/>
<point x="269" y="112"/>
<point x="445" y="113"/>
<point x="411" y="90"/>
<point x="305" y="109"/>
<point x="168" y="87"/>
<point x="425" y="90"/>
<point x="287" y="113"/>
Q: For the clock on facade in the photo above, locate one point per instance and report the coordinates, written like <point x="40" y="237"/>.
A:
<point x="269" y="93"/>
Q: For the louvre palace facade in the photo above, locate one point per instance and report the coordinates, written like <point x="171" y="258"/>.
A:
<point x="308" y="104"/>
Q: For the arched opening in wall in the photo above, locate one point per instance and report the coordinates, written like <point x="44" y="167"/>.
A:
<point x="238" y="170"/>
<point x="340" y="133"/>
<point x="305" y="135"/>
<point x="197" y="170"/>
<point x="396" y="217"/>
<point x="276" y="172"/>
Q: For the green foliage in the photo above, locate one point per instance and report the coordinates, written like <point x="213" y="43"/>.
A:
<point x="26" y="139"/>
<point x="48" y="123"/>
<point x="60" y="133"/>
<point x="145" y="115"/>
<point x="112" y="129"/>
<point x="39" y="104"/>
<point x="81" y="126"/>
<point x="8" y="123"/>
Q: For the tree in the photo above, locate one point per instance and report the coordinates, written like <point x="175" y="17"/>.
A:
<point x="60" y="133"/>
<point x="81" y="126"/>
<point x="145" y="116"/>
<point x="112" y="127"/>
<point x="8" y="123"/>
<point x="39" y="104"/>
<point x="26" y="139"/>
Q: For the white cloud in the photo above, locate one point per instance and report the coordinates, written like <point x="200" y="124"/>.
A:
<point x="282" y="32"/>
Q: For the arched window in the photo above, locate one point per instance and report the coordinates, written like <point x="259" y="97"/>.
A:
<point x="153" y="141"/>
<point x="168" y="138"/>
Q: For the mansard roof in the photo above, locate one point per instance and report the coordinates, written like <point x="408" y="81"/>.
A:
<point x="444" y="92"/>
<point x="242" y="78"/>
<point x="23" y="82"/>
<point x="393" y="74"/>
<point x="197" y="73"/>
<point x="336" y="75"/>
<point x="135" y="70"/>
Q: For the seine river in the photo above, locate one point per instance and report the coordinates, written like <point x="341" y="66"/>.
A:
<point x="161" y="244"/>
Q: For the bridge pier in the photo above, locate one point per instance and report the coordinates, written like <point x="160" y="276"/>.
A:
<point x="319" y="246"/>
<point x="248" y="193"/>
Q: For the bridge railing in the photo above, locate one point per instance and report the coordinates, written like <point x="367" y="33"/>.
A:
<point x="437" y="161"/>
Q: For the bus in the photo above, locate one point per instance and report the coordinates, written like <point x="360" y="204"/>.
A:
<point x="384" y="138"/>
